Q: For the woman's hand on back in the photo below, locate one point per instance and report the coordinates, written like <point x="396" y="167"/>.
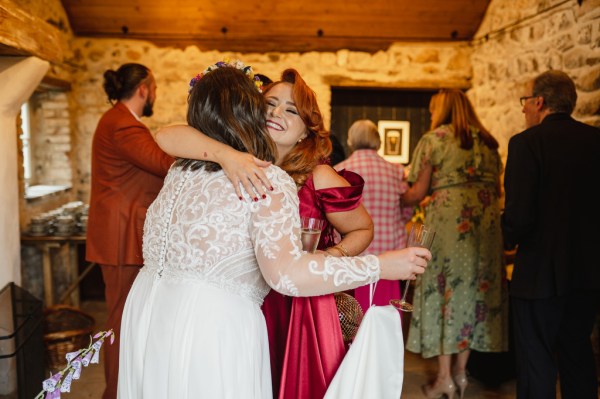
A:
<point x="247" y="170"/>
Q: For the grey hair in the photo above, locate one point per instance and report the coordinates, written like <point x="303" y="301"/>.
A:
<point x="363" y="134"/>
<point x="557" y="89"/>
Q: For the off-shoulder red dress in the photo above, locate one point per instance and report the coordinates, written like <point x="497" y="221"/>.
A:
<point x="305" y="338"/>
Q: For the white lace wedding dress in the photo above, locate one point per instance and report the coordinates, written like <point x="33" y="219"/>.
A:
<point x="192" y="325"/>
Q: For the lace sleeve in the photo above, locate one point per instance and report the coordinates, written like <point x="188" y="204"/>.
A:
<point x="275" y="229"/>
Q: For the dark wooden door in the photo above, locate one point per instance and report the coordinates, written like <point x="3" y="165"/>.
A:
<point x="351" y="104"/>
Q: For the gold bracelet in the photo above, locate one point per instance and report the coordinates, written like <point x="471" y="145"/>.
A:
<point x="337" y="249"/>
<point x="342" y="249"/>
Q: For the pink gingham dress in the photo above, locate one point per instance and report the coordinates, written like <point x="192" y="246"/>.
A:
<point x="384" y="183"/>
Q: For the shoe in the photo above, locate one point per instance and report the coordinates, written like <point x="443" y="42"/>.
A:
<point x="461" y="381"/>
<point x="439" y="390"/>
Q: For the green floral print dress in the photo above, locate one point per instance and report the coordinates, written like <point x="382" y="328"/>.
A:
<point x="461" y="299"/>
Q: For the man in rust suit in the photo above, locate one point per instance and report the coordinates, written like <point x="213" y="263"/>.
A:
<point x="128" y="169"/>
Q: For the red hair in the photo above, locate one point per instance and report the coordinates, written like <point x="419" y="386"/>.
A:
<point x="315" y="148"/>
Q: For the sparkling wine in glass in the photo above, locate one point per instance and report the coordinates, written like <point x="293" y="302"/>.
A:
<point x="420" y="236"/>
<point x="310" y="233"/>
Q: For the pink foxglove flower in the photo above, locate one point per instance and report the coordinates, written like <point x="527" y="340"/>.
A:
<point x="53" y="386"/>
<point x="50" y="384"/>
<point x="65" y="385"/>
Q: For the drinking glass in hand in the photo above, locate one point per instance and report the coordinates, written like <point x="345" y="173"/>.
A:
<point x="420" y="236"/>
<point x="310" y="233"/>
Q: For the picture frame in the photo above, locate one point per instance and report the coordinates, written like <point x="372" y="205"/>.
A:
<point x="395" y="140"/>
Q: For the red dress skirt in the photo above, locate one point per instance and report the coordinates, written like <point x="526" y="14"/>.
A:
<point x="305" y="338"/>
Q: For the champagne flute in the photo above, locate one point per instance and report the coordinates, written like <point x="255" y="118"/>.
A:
<point x="420" y="236"/>
<point x="310" y="233"/>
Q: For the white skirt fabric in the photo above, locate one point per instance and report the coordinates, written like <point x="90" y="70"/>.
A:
<point x="182" y="339"/>
<point x="374" y="364"/>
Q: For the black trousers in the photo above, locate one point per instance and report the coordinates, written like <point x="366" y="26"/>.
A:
<point x="552" y="336"/>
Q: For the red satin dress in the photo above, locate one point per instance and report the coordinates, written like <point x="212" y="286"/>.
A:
<point x="305" y="338"/>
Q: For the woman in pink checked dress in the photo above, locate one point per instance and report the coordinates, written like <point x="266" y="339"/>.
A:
<point x="384" y="185"/>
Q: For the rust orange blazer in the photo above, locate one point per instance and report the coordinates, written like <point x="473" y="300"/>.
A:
<point x="128" y="169"/>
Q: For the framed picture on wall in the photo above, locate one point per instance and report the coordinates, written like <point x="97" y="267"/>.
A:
<point x="395" y="140"/>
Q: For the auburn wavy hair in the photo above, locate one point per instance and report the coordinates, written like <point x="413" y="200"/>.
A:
<point x="315" y="148"/>
<point x="452" y="107"/>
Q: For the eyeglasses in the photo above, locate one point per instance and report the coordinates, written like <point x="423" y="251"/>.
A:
<point x="525" y="98"/>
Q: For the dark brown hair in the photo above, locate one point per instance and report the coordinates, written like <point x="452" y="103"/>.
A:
<point x="226" y="106"/>
<point x="121" y="84"/>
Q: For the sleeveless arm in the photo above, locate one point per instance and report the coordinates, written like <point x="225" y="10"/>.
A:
<point x="275" y="230"/>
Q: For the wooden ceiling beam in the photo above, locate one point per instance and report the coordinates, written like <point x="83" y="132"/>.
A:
<point x="275" y="25"/>
<point x="281" y="44"/>
<point x="24" y="34"/>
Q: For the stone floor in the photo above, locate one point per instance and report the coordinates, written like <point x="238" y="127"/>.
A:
<point x="418" y="371"/>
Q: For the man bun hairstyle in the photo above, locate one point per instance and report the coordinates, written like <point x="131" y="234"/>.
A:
<point x="122" y="83"/>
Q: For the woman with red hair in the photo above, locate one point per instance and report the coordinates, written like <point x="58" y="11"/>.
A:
<point x="305" y="338"/>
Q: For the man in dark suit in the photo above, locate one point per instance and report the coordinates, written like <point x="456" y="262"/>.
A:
<point x="128" y="169"/>
<point x="551" y="217"/>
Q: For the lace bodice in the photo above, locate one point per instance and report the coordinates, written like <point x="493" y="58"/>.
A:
<point x="197" y="229"/>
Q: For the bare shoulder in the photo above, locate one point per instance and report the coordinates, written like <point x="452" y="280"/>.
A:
<point x="325" y="176"/>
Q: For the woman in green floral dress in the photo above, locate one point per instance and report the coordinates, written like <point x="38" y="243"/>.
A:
<point x="461" y="299"/>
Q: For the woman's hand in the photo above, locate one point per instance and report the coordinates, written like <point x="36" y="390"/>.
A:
<point x="244" y="168"/>
<point x="404" y="264"/>
<point x="183" y="141"/>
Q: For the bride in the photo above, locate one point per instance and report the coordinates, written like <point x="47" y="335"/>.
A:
<point x="192" y="325"/>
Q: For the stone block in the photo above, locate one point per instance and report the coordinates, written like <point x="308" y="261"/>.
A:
<point x="584" y="35"/>
<point x="95" y="56"/>
<point x="58" y="139"/>
<point x="575" y="58"/>
<point x="552" y="60"/>
<point x="133" y="56"/>
<point x="537" y="31"/>
<point x="563" y="42"/>
<point x="589" y="9"/>
<point x="566" y="19"/>
<point x="587" y="79"/>
<point x="55" y="123"/>
<point x="55" y="103"/>
<point x="588" y="103"/>
<point x="591" y="120"/>
<point x="328" y="59"/>
<point x="360" y="61"/>
<point x="59" y="149"/>
<point x="431" y="69"/>
<point x="49" y="113"/>
<point x="459" y="61"/>
<point x="426" y="56"/>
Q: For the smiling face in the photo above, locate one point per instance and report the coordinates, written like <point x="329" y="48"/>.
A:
<point x="284" y="124"/>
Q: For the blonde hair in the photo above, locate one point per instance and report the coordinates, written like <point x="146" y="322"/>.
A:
<point x="452" y="107"/>
<point x="363" y="134"/>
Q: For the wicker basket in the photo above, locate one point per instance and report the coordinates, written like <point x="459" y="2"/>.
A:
<point x="66" y="329"/>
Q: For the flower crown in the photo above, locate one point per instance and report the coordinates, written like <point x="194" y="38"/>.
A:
<point x="229" y="64"/>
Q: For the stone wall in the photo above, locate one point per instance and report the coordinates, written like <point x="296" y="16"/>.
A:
<point x="51" y="141"/>
<point x="424" y="65"/>
<point x="519" y="39"/>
